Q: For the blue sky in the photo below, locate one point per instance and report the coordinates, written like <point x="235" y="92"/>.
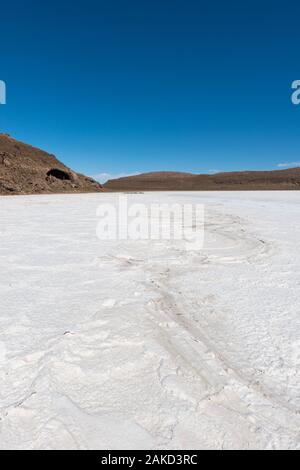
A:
<point x="120" y="87"/>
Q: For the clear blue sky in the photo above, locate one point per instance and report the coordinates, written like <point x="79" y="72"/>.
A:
<point x="120" y="86"/>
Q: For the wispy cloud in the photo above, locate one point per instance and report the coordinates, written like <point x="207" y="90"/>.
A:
<point x="103" y="177"/>
<point x="288" y="165"/>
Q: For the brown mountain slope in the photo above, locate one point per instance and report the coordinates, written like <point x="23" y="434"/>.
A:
<point x="28" y="170"/>
<point x="171" y="181"/>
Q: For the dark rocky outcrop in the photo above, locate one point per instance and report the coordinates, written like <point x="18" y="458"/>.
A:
<point x="27" y="170"/>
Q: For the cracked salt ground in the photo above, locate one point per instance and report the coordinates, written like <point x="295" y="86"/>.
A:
<point x="145" y="345"/>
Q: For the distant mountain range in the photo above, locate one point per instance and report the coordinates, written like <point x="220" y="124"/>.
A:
<point x="237" y="181"/>
<point x="27" y="170"/>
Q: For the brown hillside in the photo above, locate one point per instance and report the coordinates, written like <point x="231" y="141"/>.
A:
<point x="248" y="180"/>
<point x="27" y="170"/>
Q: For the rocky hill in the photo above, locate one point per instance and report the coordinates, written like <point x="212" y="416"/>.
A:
<point x="27" y="170"/>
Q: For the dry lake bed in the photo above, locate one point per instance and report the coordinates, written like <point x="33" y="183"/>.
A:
<point x="124" y="344"/>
